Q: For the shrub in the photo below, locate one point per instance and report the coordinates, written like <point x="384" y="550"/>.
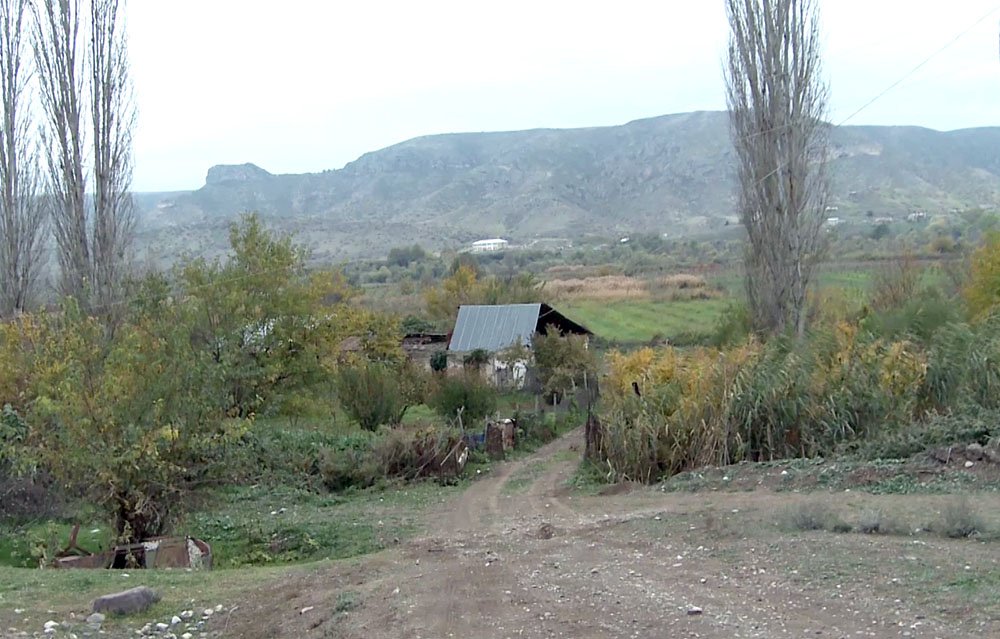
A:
<point x="362" y="460"/>
<point x="349" y="463"/>
<point x="959" y="520"/>
<point x="562" y="362"/>
<point x="132" y="421"/>
<point x="895" y="283"/>
<point x="373" y="394"/>
<point x="469" y="393"/>
<point x="919" y="316"/>
<point x="733" y="327"/>
<point x="967" y="426"/>
<point x="439" y="362"/>
<point x="668" y="411"/>
<point x="813" y="515"/>
<point x="875" y="522"/>
<point x="982" y="292"/>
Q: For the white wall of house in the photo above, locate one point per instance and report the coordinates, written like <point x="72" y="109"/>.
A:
<point x="489" y="246"/>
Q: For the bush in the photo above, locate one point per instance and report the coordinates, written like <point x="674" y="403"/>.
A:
<point x="439" y="361"/>
<point x="363" y="460"/>
<point x="919" y="316"/>
<point x="811" y="516"/>
<point x="374" y="394"/>
<point x="959" y="520"/>
<point x="982" y="293"/>
<point x="670" y="411"/>
<point x="733" y="327"/>
<point x="971" y="425"/>
<point x="466" y="393"/>
<point x="349" y="464"/>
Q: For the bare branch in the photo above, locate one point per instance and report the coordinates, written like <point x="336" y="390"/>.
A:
<point x="60" y="77"/>
<point x="777" y="104"/>
<point x="21" y="215"/>
<point x="93" y="236"/>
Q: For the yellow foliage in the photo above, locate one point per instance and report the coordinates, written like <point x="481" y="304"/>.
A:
<point x="982" y="293"/>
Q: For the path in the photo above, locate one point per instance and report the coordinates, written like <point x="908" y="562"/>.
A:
<point x="517" y="555"/>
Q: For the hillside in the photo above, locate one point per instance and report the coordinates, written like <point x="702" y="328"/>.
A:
<point x="671" y="174"/>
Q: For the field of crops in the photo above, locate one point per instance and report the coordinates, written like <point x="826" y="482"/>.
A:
<point x="641" y="320"/>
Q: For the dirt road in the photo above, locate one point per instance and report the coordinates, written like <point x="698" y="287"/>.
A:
<point x="519" y="555"/>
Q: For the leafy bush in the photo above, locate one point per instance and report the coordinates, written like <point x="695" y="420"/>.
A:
<point x="439" y="361"/>
<point x="967" y="426"/>
<point x="733" y="327"/>
<point x="918" y="316"/>
<point x="469" y="393"/>
<point x="375" y="394"/>
<point x="363" y="460"/>
<point x="131" y="421"/>
<point x="562" y="362"/>
<point x="982" y="292"/>
<point x="349" y="463"/>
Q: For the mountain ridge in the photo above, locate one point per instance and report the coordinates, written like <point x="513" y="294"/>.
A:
<point x="668" y="174"/>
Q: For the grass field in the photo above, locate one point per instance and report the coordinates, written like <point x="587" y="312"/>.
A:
<point x="642" y="320"/>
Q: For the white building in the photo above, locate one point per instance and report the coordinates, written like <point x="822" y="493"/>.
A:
<point x="489" y="246"/>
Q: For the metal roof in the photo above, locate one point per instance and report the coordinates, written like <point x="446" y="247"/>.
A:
<point x="494" y="328"/>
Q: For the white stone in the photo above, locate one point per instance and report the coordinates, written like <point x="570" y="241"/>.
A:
<point x="161" y="627"/>
<point x="218" y="608"/>
<point x="969" y="464"/>
<point x="208" y="612"/>
<point x="51" y="624"/>
<point x="175" y="620"/>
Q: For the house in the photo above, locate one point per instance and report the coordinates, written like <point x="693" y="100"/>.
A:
<point x="490" y="246"/>
<point x="495" y="329"/>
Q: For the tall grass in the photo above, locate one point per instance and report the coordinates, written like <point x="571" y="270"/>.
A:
<point x="789" y="398"/>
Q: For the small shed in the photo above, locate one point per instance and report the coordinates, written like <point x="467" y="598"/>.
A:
<point x="421" y="347"/>
<point x="496" y="328"/>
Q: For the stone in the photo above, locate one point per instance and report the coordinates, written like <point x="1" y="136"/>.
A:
<point x="127" y="602"/>
<point x="969" y="464"/>
<point x="218" y="608"/>
<point x="694" y="611"/>
<point x="187" y="614"/>
<point x="208" y="612"/>
<point x="175" y="620"/>
<point x="975" y="452"/>
<point x="51" y="625"/>
<point x="161" y="627"/>
<point x="95" y="619"/>
<point x="186" y="635"/>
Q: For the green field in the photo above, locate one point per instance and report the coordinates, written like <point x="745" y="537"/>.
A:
<point x="641" y="321"/>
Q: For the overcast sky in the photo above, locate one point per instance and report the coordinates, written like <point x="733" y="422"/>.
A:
<point x="308" y="85"/>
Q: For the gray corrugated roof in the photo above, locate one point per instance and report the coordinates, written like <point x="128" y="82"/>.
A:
<point x="494" y="328"/>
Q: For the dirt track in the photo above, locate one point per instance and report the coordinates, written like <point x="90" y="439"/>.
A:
<point x="517" y="555"/>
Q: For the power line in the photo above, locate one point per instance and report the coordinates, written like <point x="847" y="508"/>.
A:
<point x="922" y="64"/>
<point x="881" y="94"/>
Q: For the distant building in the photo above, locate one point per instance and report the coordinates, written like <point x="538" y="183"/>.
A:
<point x="489" y="246"/>
<point x="494" y="329"/>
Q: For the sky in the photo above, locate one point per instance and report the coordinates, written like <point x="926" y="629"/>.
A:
<point x="309" y="85"/>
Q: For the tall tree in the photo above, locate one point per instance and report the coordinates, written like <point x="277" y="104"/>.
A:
<point x="93" y="235"/>
<point x="113" y="119"/>
<point x="21" y="215"/>
<point x="777" y="103"/>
